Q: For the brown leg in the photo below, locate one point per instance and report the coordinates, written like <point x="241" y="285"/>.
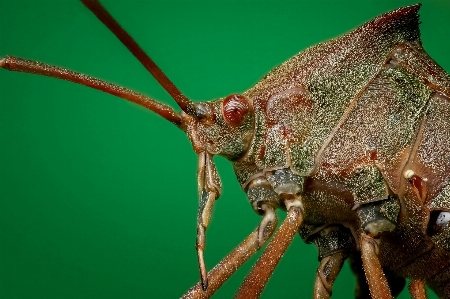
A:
<point x="417" y="289"/>
<point x="209" y="189"/>
<point x="396" y="282"/>
<point x="378" y="285"/>
<point x="362" y="288"/>
<point x="334" y="244"/>
<point x="327" y="273"/>
<point x="261" y="271"/>
<point x="223" y="270"/>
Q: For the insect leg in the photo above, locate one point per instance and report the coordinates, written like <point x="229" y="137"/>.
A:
<point x="334" y="244"/>
<point x="376" y="217"/>
<point x="369" y="190"/>
<point x="417" y="289"/>
<point x="396" y="282"/>
<point x="362" y="288"/>
<point x="262" y="270"/>
<point x="223" y="270"/>
<point x="327" y="273"/>
<point x="209" y="189"/>
<point x="378" y="285"/>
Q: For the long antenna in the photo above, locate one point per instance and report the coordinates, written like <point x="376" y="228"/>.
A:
<point x="29" y="66"/>
<point x="103" y="15"/>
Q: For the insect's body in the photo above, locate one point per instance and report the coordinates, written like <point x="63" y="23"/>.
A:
<point x="350" y="136"/>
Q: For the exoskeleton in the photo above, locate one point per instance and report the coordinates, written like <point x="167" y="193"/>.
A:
<point x="350" y="137"/>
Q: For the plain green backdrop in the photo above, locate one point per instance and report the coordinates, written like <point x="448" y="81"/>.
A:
<point x="97" y="195"/>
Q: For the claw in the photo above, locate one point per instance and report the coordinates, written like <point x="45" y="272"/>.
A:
<point x="205" y="284"/>
<point x="201" y="260"/>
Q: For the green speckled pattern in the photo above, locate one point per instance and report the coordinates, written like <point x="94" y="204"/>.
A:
<point x="332" y="75"/>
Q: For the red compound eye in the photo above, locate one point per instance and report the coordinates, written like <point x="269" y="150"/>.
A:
<point x="234" y="108"/>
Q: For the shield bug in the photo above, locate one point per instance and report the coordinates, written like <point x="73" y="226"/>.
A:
<point x="92" y="141"/>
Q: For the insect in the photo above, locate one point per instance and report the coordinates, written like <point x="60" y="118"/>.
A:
<point x="211" y="228"/>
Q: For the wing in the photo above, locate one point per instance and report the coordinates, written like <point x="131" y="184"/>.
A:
<point x="330" y="76"/>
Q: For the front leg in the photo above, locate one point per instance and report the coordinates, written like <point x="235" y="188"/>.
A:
<point x="226" y="267"/>
<point x="376" y="218"/>
<point x="264" y="201"/>
<point x="378" y="285"/>
<point x="257" y="279"/>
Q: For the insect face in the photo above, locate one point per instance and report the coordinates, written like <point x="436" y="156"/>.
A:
<point x="223" y="127"/>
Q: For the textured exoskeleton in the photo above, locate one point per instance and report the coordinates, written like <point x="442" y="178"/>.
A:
<point x="350" y="136"/>
<point x="357" y="129"/>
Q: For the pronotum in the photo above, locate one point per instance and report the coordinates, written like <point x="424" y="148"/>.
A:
<point x="86" y="186"/>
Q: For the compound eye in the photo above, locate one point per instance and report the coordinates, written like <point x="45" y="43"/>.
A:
<point x="234" y="109"/>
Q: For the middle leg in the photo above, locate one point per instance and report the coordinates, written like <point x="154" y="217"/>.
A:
<point x="334" y="244"/>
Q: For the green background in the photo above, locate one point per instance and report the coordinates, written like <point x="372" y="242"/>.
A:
<point x="98" y="196"/>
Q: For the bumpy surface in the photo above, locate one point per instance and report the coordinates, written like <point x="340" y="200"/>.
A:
<point x="352" y="116"/>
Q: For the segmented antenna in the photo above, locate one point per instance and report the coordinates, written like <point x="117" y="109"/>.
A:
<point x="103" y="15"/>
